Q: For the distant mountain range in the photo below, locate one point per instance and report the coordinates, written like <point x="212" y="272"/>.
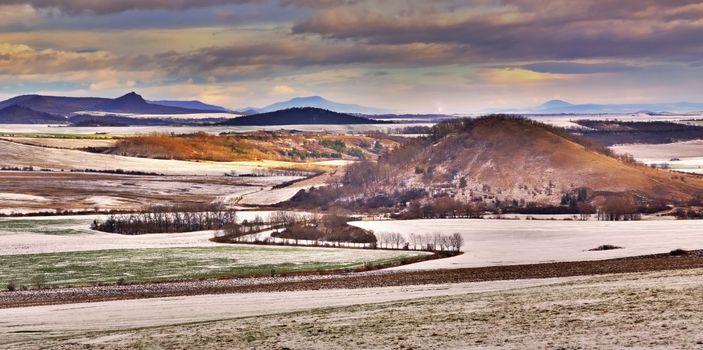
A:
<point x="35" y="108"/>
<point x="563" y="107"/>
<point x="315" y="102"/>
<point x="194" y="105"/>
<point x="54" y="104"/>
<point x="135" y="104"/>
<point x="299" y="116"/>
<point x="57" y="109"/>
<point x="22" y="115"/>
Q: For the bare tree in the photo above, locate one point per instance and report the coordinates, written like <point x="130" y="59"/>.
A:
<point x="382" y="239"/>
<point x="398" y="240"/>
<point x="435" y="241"/>
<point x="414" y="239"/>
<point x="456" y="240"/>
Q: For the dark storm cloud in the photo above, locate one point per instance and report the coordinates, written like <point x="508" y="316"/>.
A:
<point x="293" y="54"/>
<point x="317" y="4"/>
<point x="117" y="6"/>
<point x="480" y="30"/>
<point x="406" y="45"/>
<point x="529" y="30"/>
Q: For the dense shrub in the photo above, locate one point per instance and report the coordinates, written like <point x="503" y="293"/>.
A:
<point x="605" y="247"/>
<point x="678" y="252"/>
<point x="331" y="228"/>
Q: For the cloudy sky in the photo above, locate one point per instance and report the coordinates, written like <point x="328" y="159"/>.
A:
<point x="406" y="55"/>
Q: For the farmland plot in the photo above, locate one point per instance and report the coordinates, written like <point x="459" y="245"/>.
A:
<point x="64" y="251"/>
<point x="23" y="192"/>
<point x="21" y="155"/>
<point x="67" y="143"/>
<point x="165" y="264"/>
<point x="643" y="310"/>
<point x="681" y="156"/>
<point x="133" y="130"/>
<point x="60" y="234"/>
<point x="512" y="242"/>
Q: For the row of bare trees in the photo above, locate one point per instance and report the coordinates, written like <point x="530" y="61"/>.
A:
<point x="159" y="219"/>
<point x="332" y="230"/>
<point x="266" y="172"/>
<point x="618" y="208"/>
<point x="429" y="242"/>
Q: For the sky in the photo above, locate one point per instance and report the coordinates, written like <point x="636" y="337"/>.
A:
<point x="447" y="56"/>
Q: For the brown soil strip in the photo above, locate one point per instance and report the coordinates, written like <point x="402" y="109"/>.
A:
<point x="658" y="262"/>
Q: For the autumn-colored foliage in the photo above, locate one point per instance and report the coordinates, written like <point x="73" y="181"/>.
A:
<point x="251" y="146"/>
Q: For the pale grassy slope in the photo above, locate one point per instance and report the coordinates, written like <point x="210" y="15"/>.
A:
<point x="645" y="310"/>
<point x="38" y="191"/>
<point x="73" y="321"/>
<point x="65" y="234"/>
<point x="15" y="154"/>
<point x="77" y="143"/>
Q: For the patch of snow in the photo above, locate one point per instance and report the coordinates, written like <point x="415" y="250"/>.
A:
<point x="22" y="197"/>
<point x="513" y="242"/>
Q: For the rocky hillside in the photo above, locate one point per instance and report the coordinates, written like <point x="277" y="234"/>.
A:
<point x="511" y="162"/>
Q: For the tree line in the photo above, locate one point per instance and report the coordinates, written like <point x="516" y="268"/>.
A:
<point x="426" y="242"/>
<point x="168" y="219"/>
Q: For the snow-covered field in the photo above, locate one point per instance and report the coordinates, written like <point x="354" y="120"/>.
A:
<point x="682" y="156"/>
<point x="35" y="243"/>
<point x="65" y="252"/>
<point x="27" y="192"/>
<point x="664" y="152"/>
<point x="86" y="191"/>
<point x="643" y="310"/>
<point x="213" y="115"/>
<point x="131" y="130"/>
<point x="15" y="154"/>
<point x="567" y="120"/>
<point x="270" y="197"/>
<point x="511" y="242"/>
<point x="33" y="235"/>
<point x="17" y="197"/>
<point x="63" y="142"/>
<point x="71" y="319"/>
<point x="557" y="120"/>
<point x="66" y="234"/>
<point x="487" y="242"/>
<point x="634" y="117"/>
<point x="83" y="268"/>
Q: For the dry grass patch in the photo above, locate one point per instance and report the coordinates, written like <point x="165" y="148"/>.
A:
<point x="286" y="146"/>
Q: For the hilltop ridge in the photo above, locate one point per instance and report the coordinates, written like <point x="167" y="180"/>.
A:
<point x="300" y="116"/>
<point x="507" y="161"/>
<point x="131" y="103"/>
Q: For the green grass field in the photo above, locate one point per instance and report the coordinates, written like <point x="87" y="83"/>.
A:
<point x="50" y="226"/>
<point x="166" y="264"/>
